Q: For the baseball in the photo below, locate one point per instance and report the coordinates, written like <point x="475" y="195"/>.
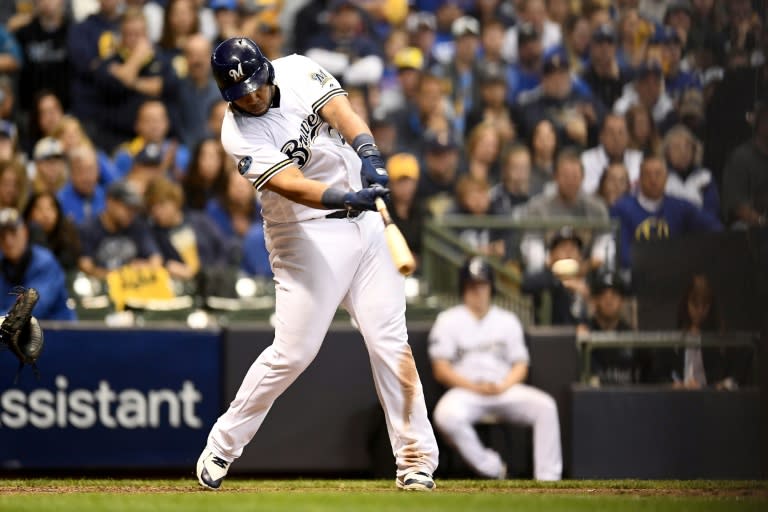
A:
<point x="565" y="268"/>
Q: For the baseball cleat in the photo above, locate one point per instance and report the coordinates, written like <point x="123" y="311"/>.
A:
<point x="415" y="481"/>
<point x="211" y="470"/>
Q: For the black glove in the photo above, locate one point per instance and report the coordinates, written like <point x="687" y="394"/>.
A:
<point x="364" y="199"/>
<point x="373" y="171"/>
<point x="20" y="331"/>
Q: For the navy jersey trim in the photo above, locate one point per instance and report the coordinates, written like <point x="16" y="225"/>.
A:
<point x="317" y="105"/>
<point x="267" y="175"/>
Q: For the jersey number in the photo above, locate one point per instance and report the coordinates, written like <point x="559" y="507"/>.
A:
<point x="299" y="154"/>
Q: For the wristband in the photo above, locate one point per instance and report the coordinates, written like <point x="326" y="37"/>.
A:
<point x="334" y="199"/>
<point x="362" y="140"/>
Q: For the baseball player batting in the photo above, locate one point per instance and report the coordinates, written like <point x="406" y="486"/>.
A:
<point x="295" y="136"/>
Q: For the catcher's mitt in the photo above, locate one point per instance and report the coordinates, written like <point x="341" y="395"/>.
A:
<point x="21" y="332"/>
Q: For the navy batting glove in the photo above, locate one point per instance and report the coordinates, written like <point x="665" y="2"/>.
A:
<point x="364" y="199"/>
<point x="373" y="170"/>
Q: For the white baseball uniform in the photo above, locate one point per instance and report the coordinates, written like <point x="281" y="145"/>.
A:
<point x="484" y="350"/>
<point x="319" y="263"/>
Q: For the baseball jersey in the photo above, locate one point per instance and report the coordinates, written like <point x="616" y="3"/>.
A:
<point x="292" y="133"/>
<point x="480" y="350"/>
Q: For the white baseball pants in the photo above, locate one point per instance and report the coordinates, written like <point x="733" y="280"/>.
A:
<point x="319" y="264"/>
<point x="459" y="409"/>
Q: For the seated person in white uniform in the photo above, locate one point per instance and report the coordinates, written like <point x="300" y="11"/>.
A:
<point x="478" y="351"/>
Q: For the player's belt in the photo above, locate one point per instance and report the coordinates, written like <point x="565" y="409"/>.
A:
<point x="344" y="214"/>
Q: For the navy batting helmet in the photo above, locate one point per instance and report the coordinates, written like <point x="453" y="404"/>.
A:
<point x="475" y="269"/>
<point x="240" y="68"/>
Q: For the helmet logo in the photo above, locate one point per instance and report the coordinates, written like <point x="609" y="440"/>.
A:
<point x="237" y="74"/>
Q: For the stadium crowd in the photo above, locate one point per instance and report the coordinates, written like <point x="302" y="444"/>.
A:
<point x="650" y="112"/>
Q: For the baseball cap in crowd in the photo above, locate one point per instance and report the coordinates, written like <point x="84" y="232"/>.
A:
<point x="7" y="129"/>
<point x="647" y="68"/>
<point x="665" y="35"/>
<point x="440" y="143"/>
<point x="420" y="20"/>
<point x="48" y="147"/>
<point x="492" y="73"/>
<point x="674" y="6"/>
<point x="691" y="105"/>
<point x="229" y="5"/>
<point x="409" y="57"/>
<point x="402" y="165"/>
<point x="150" y="155"/>
<point x="527" y="32"/>
<point x="605" y="279"/>
<point x="605" y="33"/>
<point x="9" y="218"/>
<point x="556" y="60"/>
<point x="465" y="25"/>
<point x="125" y="193"/>
<point x="563" y="234"/>
<point x="338" y="4"/>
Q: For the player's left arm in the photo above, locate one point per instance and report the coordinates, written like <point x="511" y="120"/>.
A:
<point x="338" y="113"/>
<point x="515" y="375"/>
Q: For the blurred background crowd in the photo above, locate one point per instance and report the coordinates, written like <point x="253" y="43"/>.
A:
<point x="636" y="119"/>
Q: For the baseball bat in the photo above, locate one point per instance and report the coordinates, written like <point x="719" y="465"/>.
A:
<point x="398" y="247"/>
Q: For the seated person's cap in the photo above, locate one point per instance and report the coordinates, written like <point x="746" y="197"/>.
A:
<point x="563" y="234"/>
<point x="125" y="193"/>
<point x="409" y="57"/>
<point x="7" y="129"/>
<point x="9" y="218"/>
<point x="465" y="25"/>
<point x="665" y="35"/>
<point x="556" y="60"/>
<point x="437" y="143"/>
<point x="526" y="32"/>
<point x="647" y="68"/>
<point x="605" y="33"/>
<point x="48" y="147"/>
<point x="402" y="165"/>
<point x="605" y="279"/>
<point x="419" y="21"/>
<point x="151" y="154"/>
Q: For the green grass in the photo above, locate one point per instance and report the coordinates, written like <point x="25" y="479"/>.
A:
<point x="84" y="495"/>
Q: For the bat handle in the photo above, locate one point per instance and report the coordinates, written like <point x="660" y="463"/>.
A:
<point x="381" y="206"/>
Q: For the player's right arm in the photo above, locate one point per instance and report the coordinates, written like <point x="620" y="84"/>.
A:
<point x="291" y="184"/>
<point x="446" y="375"/>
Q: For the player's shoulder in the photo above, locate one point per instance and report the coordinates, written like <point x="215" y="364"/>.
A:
<point x="453" y="314"/>
<point x="504" y="315"/>
<point x="294" y="66"/>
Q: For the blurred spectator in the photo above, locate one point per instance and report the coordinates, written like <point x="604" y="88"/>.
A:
<point x="603" y="75"/>
<point x="745" y="180"/>
<point x="568" y="292"/>
<point x="82" y="198"/>
<point x="437" y="182"/>
<point x="445" y="14"/>
<point x="7" y="100"/>
<point x="234" y="212"/>
<point x="676" y="80"/>
<point x="51" y="229"/>
<point x="227" y="19"/>
<point x="690" y="111"/>
<point x="422" y="28"/>
<point x="344" y="49"/>
<point x="651" y="214"/>
<point x="513" y="189"/>
<point x="614" y="183"/>
<point x="647" y="90"/>
<point x="51" y="169"/>
<point x="578" y="33"/>
<point x="574" y="114"/>
<point x="462" y="71"/>
<point x="46" y="57"/>
<point x="179" y="23"/>
<point x="307" y="23"/>
<point x="132" y="75"/>
<point x="406" y="212"/>
<point x="30" y="266"/>
<point x="47" y="112"/>
<point x="152" y="126"/>
<point x="472" y="198"/>
<point x="149" y="164"/>
<point x="215" y="117"/>
<point x="559" y="11"/>
<point x="525" y="74"/>
<point x="492" y="109"/>
<point x="535" y="13"/>
<point x="90" y="42"/>
<point x="268" y="34"/>
<point x="383" y="129"/>
<point x="70" y="133"/>
<point x="653" y="9"/>
<point x="207" y="176"/>
<point x="396" y="41"/>
<point x="478" y="351"/>
<point x="255" y="258"/>
<point x="491" y="43"/>
<point x="643" y="135"/>
<point x="188" y="241"/>
<point x="14" y="185"/>
<point x="483" y="151"/>
<point x="11" y="56"/>
<point x="197" y="91"/>
<point x="687" y="178"/>
<point x="118" y="236"/>
<point x="9" y="142"/>
<point x="408" y="63"/>
<point x="614" y="147"/>
<point x="634" y="32"/>
<point x="743" y="30"/>
<point x="413" y="120"/>
<point x="569" y="200"/>
<point x="544" y="148"/>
